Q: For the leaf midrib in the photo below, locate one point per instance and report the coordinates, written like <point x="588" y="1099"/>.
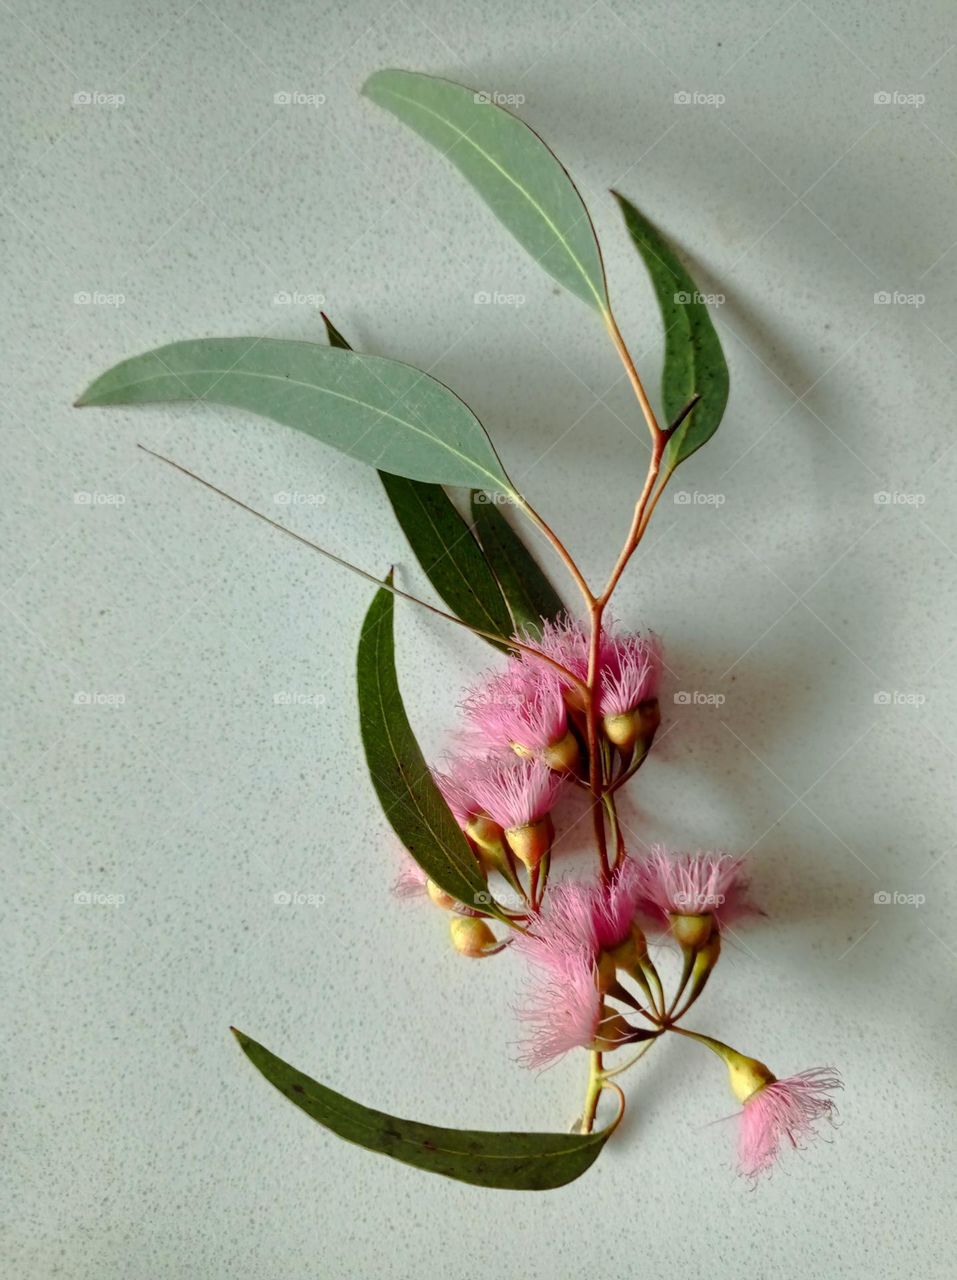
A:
<point x="602" y="302"/>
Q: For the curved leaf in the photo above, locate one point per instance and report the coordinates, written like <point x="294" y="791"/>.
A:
<point x="509" y="1161"/>
<point x="443" y="544"/>
<point x="376" y="410"/>
<point x="694" y="361"/>
<point x="529" y="594"/>
<point x="511" y="168"/>
<point x="407" y="792"/>
<point x="447" y="551"/>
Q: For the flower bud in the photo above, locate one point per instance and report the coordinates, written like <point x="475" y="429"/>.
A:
<point x="622" y="730"/>
<point x="692" y="930"/>
<point x="563" y="756"/>
<point x="471" y="937"/>
<point x="439" y="896"/>
<point x="532" y="841"/>
<point x="487" y="840"/>
<point x="747" y="1075"/>
<point x="613" y="1030"/>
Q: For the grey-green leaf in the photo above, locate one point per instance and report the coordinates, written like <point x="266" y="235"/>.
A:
<point x="448" y="553"/>
<point x="694" y="361"/>
<point x="511" y="168"/>
<point x="530" y="596"/>
<point x="376" y="410"/>
<point x="508" y="1161"/>
<point x="443" y="544"/>
<point x="406" y="789"/>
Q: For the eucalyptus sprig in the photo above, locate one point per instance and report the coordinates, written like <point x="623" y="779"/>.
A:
<point x="573" y="704"/>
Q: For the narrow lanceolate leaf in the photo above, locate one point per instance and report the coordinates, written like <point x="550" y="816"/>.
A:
<point x="407" y="792"/>
<point x="511" y="168"/>
<point x="443" y="544"/>
<point x="376" y="410"/>
<point x="447" y="551"/>
<point x="530" y="596"/>
<point x="694" y="361"/>
<point x="509" y="1161"/>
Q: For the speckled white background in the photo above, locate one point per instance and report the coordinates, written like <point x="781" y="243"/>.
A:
<point x="140" y="1143"/>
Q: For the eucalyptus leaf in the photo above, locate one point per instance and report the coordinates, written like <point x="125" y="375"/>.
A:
<point x="443" y="544"/>
<point x="508" y="1161"/>
<point x="376" y="410"/>
<point x="530" y="596"/>
<point x="515" y="173"/>
<point x="406" y="789"/>
<point x="694" y="361"/>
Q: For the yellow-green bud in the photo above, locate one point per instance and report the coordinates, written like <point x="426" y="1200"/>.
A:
<point x="692" y="931"/>
<point x="487" y="838"/>
<point x="563" y="755"/>
<point x="747" y="1075"/>
<point x="471" y="937"/>
<point x="439" y="896"/>
<point x="531" y="842"/>
<point x="622" y="730"/>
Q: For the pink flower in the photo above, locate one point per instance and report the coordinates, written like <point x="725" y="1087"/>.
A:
<point x="784" y="1109"/>
<point x="564" y="1007"/>
<point x="630" y="665"/>
<point x="521" y="707"/>
<point x="454" y="782"/>
<point x="632" y="675"/>
<point x="692" y="884"/>
<point x="410" y="880"/>
<point x="513" y="791"/>
<point x="589" y="917"/>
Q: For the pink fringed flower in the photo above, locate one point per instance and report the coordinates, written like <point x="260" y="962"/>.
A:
<point x="455" y="784"/>
<point x="410" y="880"/>
<point x="521" y="707"/>
<point x="692" y="884"/>
<point x="785" y="1109"/>
<point x="514" y="792"/>
<point x="564" y="1006"/>
<point x="590" y="917"/>
<point x="630" y="665"/>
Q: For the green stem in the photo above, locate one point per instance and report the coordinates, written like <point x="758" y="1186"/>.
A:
<point x="596" y="1082"/>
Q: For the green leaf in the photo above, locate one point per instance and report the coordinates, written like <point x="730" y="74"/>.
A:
<point x="510" y="167"/>
<point x="443" y="544"/>
<point x="509" y="1161"/>
<point x="376" y="410"/>
<point x="528" y="592"/>
<point x="694" y="361"/>
<point x="407" y="792"/>
<point x="447" y="551"/>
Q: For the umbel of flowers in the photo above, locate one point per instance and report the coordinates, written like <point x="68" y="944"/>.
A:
<point x="592" y="983"/>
